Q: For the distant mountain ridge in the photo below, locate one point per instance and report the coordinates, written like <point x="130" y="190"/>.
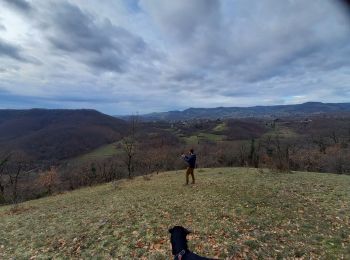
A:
<point x="309" y="108"/>
<point x="56" y="134"/>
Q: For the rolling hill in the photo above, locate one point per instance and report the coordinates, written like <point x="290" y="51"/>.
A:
<point x="305" y="109"/>
<point x="57" y="134"/>
<point x="234" y="213"/>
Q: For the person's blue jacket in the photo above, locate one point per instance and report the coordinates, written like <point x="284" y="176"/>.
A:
<point x="191" y="160"/>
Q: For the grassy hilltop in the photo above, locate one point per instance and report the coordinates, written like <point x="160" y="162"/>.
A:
<point x="233" y="212"/>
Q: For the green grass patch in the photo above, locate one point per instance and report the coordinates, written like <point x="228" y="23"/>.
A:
<point x="190" y="140"/>
<point x="203" y="137"/>
<point x="220" y="127"/>
<point x="211" y="137"/>
<point x="101" y="152"/>
<point x="238" y="213"/>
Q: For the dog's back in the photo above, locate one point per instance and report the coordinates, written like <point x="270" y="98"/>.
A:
<point x="193" y="256"/>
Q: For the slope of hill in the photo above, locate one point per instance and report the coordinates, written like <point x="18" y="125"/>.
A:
<point x="309" y="108"/>
<point x="233" y="212"/>
<point x="56" y="134"/>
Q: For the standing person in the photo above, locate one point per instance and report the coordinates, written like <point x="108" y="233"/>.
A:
<point x="190" y="158"/>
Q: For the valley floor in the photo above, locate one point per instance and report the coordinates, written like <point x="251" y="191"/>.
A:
<point x="233" y="212"/>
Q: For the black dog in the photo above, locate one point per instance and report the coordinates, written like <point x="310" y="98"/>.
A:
<point x="179" y="245"/>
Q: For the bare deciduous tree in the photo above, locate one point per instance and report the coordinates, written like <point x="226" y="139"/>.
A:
<point x="19" y="166"/>
<point x="254" y="154"/>
<point x="49" y="180"/>
<point x="3" y="163"/>
<point x="321" y="143"/>
<point x="242" y="155"/>
<point x="129" y="143"/>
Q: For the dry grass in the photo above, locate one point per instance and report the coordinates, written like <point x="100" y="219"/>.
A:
<point x="233" y="212"/>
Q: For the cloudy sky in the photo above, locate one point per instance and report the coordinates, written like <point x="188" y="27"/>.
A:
<point x="140" y="56"/>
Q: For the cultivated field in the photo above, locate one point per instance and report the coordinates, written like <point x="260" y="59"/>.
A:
<point x="233" y="212"/>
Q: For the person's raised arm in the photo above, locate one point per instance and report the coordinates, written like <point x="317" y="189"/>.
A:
<point x="185" y="157"/>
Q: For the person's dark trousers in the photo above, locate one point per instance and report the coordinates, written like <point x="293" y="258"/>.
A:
<point x="190" y="171"/>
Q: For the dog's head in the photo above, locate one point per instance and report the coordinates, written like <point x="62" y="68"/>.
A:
<point x="179" y="230"/>
<point x="178" y="238"/>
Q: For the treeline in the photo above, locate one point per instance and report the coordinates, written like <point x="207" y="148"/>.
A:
<point x="320" y="148"/>
<point x="277" y="153"/>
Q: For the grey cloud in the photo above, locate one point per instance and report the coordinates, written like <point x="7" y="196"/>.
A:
<point x="182" y="20"/>
<point x="10" y="100"/>
<point x="100" y="44"/>
<point x="8" y="97"/>
<point x="262" y="43"/>
<point x="210" y="53"/>
<point x="108" y="60"/>
<point x="79" y="99"/>
<point x="187" y="76"/>
<point x="11" y="51"/>
<point x="19" y="5"/>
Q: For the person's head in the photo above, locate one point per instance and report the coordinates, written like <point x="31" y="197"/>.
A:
<point x="191" y="151"/>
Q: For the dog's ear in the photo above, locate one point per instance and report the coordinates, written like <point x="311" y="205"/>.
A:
<point x="171" y="230"/>
<point x="187" y="231"/>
